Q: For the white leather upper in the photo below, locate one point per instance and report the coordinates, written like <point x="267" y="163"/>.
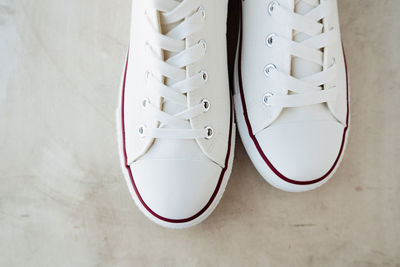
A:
<point x="175" y="188"/>
<point x="176" y="177"/>
<point x="216" y="90"/>
<point x="257" y="24"/>
<point x="300" y="149"/>
<point x="302" y="143"/>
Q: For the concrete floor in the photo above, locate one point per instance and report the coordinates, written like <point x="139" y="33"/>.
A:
<point x="63" y="200"/>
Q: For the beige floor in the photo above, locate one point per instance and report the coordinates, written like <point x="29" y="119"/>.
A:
<point x="63" y="201"/>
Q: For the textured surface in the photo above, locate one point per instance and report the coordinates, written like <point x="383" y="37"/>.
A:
<point x="63" y="200"/>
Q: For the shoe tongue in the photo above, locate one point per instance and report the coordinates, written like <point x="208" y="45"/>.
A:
<point x="302" y="67"/>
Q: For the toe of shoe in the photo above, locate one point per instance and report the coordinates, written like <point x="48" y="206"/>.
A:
<point x="302" y="152"/>
<point x="175" y="190"/>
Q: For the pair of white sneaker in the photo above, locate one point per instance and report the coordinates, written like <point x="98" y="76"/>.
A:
<point x="175" y="118"/>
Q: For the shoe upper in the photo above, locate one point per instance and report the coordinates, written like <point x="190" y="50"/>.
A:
<point x="176" y="103"/>
<point x="294" y="83"/>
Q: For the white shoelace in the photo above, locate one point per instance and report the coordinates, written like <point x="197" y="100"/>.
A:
<point x="184" y="18"/>
<point x="307" y="90"/>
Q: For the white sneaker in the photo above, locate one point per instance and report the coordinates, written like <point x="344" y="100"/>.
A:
<point x="291" y="91"/>
<point x="175" y="121"/>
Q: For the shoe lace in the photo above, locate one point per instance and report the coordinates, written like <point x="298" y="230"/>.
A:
<point x="311" y="89"/>
<point x="169" y="77"/>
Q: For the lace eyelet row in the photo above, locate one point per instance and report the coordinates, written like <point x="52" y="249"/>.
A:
<point x="269" y="40"/>
<point x="209" y="130"/>
<point x="206" y="107"/>
<point x="204" y="75"/>
<point x="267" y="72"/>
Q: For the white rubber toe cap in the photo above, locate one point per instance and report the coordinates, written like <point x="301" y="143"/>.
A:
<point x="302" y="151"/>
<point x="175" y="189"/>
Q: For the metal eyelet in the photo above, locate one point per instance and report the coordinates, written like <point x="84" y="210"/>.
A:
<point x="270" y="39"/>
<point x="202" y="11"/>
<point x="271" y="6"/>
<point x="333" y="62"/>
<point x="204" y="75"/>
<point x="145" y="102"/>
<point x="203" y="44"/>
<point x="141" y="130"/>
<point x="268" y="69"/>
<point x="147" y="75"/>
<point x="266" y="98"/>
<point x="210" y="132"/>
<point x="206" y="105"/>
